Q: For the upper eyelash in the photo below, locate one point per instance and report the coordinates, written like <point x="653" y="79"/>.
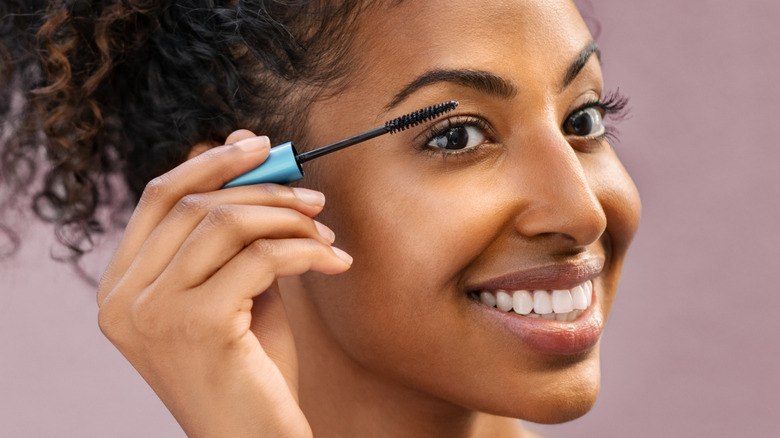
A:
<point x="616" y="109"/>
<point x="614" y="105"/>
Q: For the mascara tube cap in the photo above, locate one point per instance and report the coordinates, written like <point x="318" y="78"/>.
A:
<point x="280" y="167"/>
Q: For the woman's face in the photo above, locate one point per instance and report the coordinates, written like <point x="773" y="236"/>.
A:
<point x="514" y="190"/>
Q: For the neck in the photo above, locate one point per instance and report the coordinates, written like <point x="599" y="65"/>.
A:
<point x="341" y="398"/>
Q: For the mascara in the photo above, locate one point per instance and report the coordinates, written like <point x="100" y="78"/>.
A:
<point x="283" y="164"/>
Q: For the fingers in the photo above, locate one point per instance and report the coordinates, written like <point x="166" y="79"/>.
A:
<point x="190" y="211"/>
<point x="204" y="173"/>
<point x="255" y="267"/>
<point x="228" y="229"/>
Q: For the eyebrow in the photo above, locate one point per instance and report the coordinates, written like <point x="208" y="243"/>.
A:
<point x="485" y="81"/>
<point x="579" y="63"/>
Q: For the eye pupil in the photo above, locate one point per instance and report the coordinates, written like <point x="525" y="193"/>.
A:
<point x="458" y="136"/>
<point x="454" y="138"/>
<point x="582" y="124"/>
<point x="585" y="123"/>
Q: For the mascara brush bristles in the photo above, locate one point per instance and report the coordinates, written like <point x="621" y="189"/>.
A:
<point x="391" y="127"/>
<point x="419" y="116"/>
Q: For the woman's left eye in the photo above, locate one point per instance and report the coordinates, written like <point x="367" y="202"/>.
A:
<point x="458" y="137"/>
<point x="587" y="122"/>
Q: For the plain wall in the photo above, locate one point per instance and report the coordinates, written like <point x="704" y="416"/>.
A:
<point x="691" y="347"/>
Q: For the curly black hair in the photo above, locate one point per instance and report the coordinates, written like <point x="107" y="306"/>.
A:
<point x="120" y="90"/>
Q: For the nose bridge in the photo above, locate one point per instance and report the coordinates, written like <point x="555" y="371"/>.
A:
<point x="558" y="199"/>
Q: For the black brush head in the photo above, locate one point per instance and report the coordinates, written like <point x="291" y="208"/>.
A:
<point x="419" y="116"/>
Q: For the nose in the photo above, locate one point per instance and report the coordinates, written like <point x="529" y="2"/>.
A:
<point x="557" y="197"/>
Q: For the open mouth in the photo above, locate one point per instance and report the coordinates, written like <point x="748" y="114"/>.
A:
<point x="564" y="305"/>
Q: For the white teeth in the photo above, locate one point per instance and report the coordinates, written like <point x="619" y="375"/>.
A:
<point x="579" y="300"/>
<point x="559" y="305"/>
<point x="561" y="301"/>
<point x="504" y="301"/>
<point x="588" y="286"/>
<point x="523" y="302"/>
<point x="488" y="299"/>
<point x="542" y="302"/>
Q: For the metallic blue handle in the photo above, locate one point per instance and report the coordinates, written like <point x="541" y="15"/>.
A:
<point x="280" y="167"/>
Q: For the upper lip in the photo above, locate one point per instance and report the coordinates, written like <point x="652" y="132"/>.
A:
<point x="561" y="276"/>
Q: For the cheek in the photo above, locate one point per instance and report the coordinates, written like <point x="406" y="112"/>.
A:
<point x="409" y="245"/>
<point x="620" y="199"/>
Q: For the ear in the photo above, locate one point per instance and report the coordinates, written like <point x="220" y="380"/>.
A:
<point x="234" y="136"/>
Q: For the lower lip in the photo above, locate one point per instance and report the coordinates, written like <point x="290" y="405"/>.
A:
<point x="552" y="337"/>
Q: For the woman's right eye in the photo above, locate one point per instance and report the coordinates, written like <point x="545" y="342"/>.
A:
<point x="458" y="137"/>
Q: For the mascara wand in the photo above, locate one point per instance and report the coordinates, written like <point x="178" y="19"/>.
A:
<point x="283" y="164"/>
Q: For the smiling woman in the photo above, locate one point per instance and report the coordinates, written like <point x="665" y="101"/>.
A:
<point x="478" y="253"/>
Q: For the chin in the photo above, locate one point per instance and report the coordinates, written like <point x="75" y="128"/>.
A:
<point x="560" y="408"/>
<point x="567" y="394"/>
<point x="561" y="390"/>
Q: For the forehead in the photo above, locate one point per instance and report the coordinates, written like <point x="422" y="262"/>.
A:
<point x="537" y="38"/>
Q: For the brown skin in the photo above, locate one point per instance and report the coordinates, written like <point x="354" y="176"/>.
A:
<point x="393" y="346"/>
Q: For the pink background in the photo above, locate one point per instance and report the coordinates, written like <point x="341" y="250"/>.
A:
<point x="691" y="349"/>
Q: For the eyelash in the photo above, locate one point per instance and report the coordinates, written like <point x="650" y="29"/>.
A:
<point x="613" y="107"/>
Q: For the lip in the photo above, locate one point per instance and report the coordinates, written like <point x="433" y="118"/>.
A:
<point x="549" y="277"/>
<point x="545" y="336"/>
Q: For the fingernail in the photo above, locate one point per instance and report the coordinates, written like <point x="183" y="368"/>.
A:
<point x="253" y="144"/>
<point x="325" y="232"/>
<point x="342" y="255"/>
<point x="311" y="197"/>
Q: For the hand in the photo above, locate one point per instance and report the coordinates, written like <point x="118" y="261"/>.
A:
<point x="190" y="296"/>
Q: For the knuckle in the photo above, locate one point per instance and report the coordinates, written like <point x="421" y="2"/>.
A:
<point x="273" y="191"/>
<point x="222" y="215"/>
<point x="108" y="322"/>
<point x="192" y="205"/>
<point x="155" y="190"/>
<point x="113" y="323"/>
<point x="261" y="249"/>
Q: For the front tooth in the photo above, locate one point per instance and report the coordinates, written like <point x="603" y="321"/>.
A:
<point x="579" y="300"/>
<point x="561" y="301"/>
<point x="488" y="299"/>
<point x="503" y="301"/>
<point x="589" y="292"/>
<point x="542" y="302"/>
<point x="549" y="316"/>
<point x="523" y="302"/>
<point x="563" y="317"/>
